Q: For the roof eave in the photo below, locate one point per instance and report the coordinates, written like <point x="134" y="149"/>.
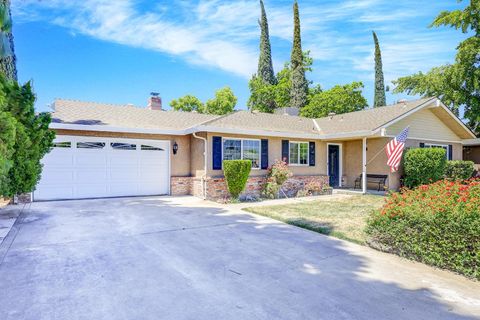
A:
<point x="106" y="128"/>
<point x="266" y="133"/>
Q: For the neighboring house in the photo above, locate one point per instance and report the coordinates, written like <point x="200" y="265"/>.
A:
<point x="104" y="150"/>
<point x="471" y="152"/>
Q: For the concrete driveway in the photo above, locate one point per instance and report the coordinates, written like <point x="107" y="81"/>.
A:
<point x="182" y="258"/>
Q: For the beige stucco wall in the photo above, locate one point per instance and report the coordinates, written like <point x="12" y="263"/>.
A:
<point x="180" y="163"/>
<point x="426" y="125"/>
<point x="197" y="155"/>
<point x="275" y="153"/>
<point x="352" y="156"/>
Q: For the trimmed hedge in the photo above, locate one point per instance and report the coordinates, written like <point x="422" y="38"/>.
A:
<point x="437" y="224"/>
<point x="236" y="175"/>
<point x="423" y="166"/>
<point x="459" y="170"/>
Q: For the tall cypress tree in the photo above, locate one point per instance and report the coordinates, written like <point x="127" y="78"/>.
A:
<point x="265" y="65"/>
<point x="7" y="55"/>
<point x="379" y="99"/>
<point x="299" y="90"/>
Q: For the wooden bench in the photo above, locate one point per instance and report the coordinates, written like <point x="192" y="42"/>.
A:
<point x="379" y="179"/>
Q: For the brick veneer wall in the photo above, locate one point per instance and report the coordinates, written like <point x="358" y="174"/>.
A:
<point x="217" y="188"/>
<point x="181" y="186"/>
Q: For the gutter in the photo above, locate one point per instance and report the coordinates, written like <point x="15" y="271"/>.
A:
<point x="205" y="153"/>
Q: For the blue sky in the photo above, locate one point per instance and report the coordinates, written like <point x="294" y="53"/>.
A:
<point x="118" y="51"/>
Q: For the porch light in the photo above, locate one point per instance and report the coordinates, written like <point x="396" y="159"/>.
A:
<point x="175" y="147"/>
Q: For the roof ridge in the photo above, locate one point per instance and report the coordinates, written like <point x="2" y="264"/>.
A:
<point x="95" y="102"/>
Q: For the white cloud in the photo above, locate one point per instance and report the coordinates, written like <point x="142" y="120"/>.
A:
<point x="224" y="33"/>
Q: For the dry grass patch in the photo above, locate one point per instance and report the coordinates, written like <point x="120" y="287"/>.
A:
<point x="343" y="218"/>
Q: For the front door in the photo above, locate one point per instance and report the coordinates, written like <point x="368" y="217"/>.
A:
<point x="334" y="165"/>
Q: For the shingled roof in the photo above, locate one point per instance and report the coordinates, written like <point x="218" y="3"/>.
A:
<point x="102" y="117"/>
<point x="369" y="119"/>
<point x="123" y="116"/>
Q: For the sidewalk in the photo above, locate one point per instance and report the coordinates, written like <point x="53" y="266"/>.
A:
<point x="8" y="216"/>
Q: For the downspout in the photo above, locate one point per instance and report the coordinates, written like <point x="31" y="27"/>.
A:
<point x="204" y="176"/>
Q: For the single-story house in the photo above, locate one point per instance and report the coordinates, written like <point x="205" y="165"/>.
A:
<point x="104" y="150"/>
<point x="471" y="152"/>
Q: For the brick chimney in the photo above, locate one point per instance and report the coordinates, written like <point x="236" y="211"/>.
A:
<point x="155" y="101"/>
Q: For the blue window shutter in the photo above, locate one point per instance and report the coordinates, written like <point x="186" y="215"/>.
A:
<point x="217" y="153"/>
<point x="285" y="146"/>
<point x="422" y="145"/>
<point x="311" y="150"/>
<point x="264" y="153"/>
<point x="450" y="152"/>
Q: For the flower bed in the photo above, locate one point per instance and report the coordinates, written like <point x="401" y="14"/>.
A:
<point x="438" y="224"/>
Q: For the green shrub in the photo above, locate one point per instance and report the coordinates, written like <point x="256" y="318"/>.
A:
<point x="459" y="170"/>
<point x="437" y="224"/>
<point x="7" y="143"/>
<point x="424" y="165"/>
<point x="236" y="175"/>
<point x="33" y="138"/>
<point x="277" y="175"/>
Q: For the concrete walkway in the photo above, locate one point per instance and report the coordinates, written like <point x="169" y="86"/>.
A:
<point x="183" y="258"/>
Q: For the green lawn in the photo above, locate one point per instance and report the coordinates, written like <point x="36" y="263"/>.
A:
<point x="343" y="218"/>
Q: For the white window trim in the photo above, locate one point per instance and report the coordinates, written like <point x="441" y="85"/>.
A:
<point x="308" y="154"/>
<point x="241" y="149"/>
<point x="340" y="161"/>
<point x="437" y="145"/>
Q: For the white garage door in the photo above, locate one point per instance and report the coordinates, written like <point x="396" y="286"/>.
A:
<point x="92" y="167"/>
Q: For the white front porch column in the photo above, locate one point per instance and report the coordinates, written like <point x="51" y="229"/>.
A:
<point x="364" y="166"/>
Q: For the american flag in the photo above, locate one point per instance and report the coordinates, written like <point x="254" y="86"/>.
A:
<point x="395" y="150"/>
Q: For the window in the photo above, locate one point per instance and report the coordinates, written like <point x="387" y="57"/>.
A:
<point x="443" y="146"/>
<point x="150" y="148"/>
<point x="62" y="145"/>
<point x="232" y="149"/>
<point x="238" y="149"/>
<point x="251" y="151"/>
<point x="90" y="145"/>
<point x="298" y="153"/>
<point x="123" y="146"/>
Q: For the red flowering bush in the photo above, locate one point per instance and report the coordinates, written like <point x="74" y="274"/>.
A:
<point x="438" y="224"/>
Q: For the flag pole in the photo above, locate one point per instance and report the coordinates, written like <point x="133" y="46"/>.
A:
<point x="378" y="153"/>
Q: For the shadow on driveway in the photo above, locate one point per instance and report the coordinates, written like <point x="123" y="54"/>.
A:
<point x="181" y="258"/>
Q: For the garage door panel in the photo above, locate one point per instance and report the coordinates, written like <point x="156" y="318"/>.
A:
<point x="93" y="158"/>
<point x="91" y="172"/>
<point x="58" y="158"/>
<point x="91" y="190"/>
<point x="152" y="161"/>
<point x="127" y="175"/>
<point x="123" y="189"/>
<point x="90" y="175"/>
<point x="152" y="188"/>
<point x="65" y="176"/>
<point x="54" y="192"/>
<point x="123" y="160"/>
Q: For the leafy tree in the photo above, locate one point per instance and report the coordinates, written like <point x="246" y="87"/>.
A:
<point x="265" y="65"/>
<point x="7" y="143"/>
<point x="223" y="103"/>
<point x="187" y="103"/>
<point x="379" y="99"/>
<point x="7" y="52"/>
<point x="33" y="139"/>
<point x="263" y="93"/>
<point x="457" y="84"/>
<point x="339" y="99"/>
<point x="299" y="90"/>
